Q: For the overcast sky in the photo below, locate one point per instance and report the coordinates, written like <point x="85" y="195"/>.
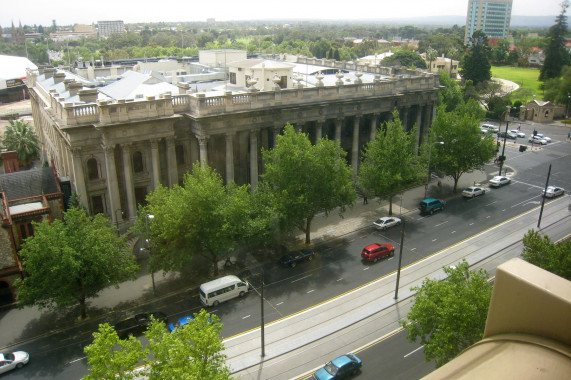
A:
<point x="66" y="12"/>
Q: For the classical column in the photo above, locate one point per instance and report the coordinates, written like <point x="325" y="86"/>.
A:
<point x="418" y="124"/>
<point x="254" y="158"/>
<point x="405" y="119"/>
<point x="277" y="130"/>
<point x="129" y="185"/>
<point x="355" y="147"/>
<point x="318" y="130"/>
<point x="112" y="186"/>
<point x="155" y="163"/>
<point x="171" y="162"/>
<point x="229" y="157"/>
<point x="338" y="123"/>
<point x="203" y="148"/>
<point x="374" y="126"/>
<point x="79" y="177"/>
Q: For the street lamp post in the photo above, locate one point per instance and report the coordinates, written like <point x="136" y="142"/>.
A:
<point x="505" y="136"/>
<point x="429" y="157"/>
<point x="148" y="241"/>
<point x="567" y="112"/>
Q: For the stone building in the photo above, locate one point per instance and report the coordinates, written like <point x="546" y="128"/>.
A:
<point x="117" y="149"/>
<point x="25" y="196"/>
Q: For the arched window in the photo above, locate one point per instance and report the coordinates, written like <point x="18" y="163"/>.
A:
<point x="137" y="162"/>
<point x="92" y="169"/>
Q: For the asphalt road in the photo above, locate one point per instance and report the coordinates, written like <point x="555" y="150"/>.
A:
<point x="336" y="269"/>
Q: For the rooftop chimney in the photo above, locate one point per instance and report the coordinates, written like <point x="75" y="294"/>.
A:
<point x="59" y="77"/>
<point x="88" y="95"/>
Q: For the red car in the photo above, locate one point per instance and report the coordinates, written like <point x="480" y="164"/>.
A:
<point x="375" y="252"/>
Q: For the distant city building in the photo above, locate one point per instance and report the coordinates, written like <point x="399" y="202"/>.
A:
<point x="78" y="32"/>
<point x="106" y="28"/>
<point x="442" y="64"/>
<point x="490" y="16"/>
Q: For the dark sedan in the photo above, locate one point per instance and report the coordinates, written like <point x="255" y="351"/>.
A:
<point x="138" y="324"/>
<point x="293" y="258"/>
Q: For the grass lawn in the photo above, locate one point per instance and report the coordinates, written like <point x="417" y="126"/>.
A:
<point x="525" y="77"/>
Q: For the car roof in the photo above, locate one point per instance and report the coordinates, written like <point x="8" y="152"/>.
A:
<point x="341" y="361"/>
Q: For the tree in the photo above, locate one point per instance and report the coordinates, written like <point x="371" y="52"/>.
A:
<point x="19" y="136"/>
<point x="214" y="218"/>
<point x="556" y="55"/>
<point x="451" y="95"/>
<point x="555" y="258"/>
<point x="68" y="261"/>
<point x="431" y="55"/>
<point x="558" y="89"/>
<point x="464" y="149"/>
<point x="191" y="352"/>
<point x="475" y="65"/>
<point x="390" y="162"/>
<point x="306" y="179"/>
<point x="449" y="315"/>
<point x="404" y="58"/>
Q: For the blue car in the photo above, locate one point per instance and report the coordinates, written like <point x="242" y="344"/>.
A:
<point x="339" y="368"/>
<point x="182" y="321"/>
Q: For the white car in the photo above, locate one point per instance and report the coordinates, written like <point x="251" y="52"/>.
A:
<point x="491" y="128"/>
<point x="537" y="140"/>
<point x="11" y="360"/>
<point x="473" y="191"/>
<point x="484" y="129"/>
<point x="386" y="222"/>
<point x="548" y="139"/>
<point x="517" y="132"/>
<point x="553" y="191"/>
<point x="499" y="180"/>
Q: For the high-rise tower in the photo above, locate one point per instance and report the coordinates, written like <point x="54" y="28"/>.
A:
<point x="490" y="16"/>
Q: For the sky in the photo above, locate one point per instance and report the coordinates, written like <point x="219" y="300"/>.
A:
<point x="68" y="12"/>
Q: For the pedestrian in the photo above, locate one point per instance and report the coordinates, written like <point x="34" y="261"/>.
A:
<point x="519" y="127"/>
<point x="365" y="201"/>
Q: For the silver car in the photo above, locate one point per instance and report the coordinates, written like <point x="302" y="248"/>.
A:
<point x="517" y="132"/>
<point x="541" y="135"/>
<point x="473" y="191"/>
<point x="553" y="191"/>
<point x="499" y="180"/>
<point x="537" y="140"/>
<point x="386" y="222"/>
<point x="11" y="360"/>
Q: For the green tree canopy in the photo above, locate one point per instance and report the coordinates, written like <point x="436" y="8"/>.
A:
<point x="475" y="64"/>
<point x="20" y="136"/>
<point x="214" y="218"/>
<point x="68" y="261"/>
<point x="191" y="352"/>
<point x="464" y="149"/>
<point x="556" y="55"/>
<point x="558" y="89"/>
<point x="306" y="179"/>
<point x="390" y="162"/>
<point x="405" y="58"/>
<point x="451" y="95"/>
<point x="449" y="315"/>
<point x="555" y="258"/>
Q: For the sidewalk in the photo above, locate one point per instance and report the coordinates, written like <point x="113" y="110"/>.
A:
<point x="112" y="303"/>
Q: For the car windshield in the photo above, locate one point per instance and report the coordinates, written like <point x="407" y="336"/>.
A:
<point x="9" y="356"/>
<point x="330" y="367"/>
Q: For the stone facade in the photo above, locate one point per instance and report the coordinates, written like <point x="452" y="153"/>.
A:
<point x="115" y="151"/>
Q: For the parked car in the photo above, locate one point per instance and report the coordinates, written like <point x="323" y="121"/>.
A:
<point x="375" y="252"/>
<point x="339" y="368"/>
<point x="11" y="360"/>
<point x="386" y="222"/>
<point x="553" y="191"/>
<point x="541" y="135"/>
<point x="484" y="129"/>
<point x="499" y="180"/>
<point x="537" y="140"/>
<point x="431" y="205"/>
<point x="517" y="132"/>
<point x="491" y="128"/>
<point x="509" y="135"/>
<point x="473" y="191"/>
<point x="137" y="324"/>
<point x="181" y="322"/>
<point x="295" y="257"/>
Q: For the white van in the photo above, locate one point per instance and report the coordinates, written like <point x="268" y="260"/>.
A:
<point x="222" y="289"/>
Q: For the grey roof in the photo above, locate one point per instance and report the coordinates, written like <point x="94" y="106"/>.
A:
<point x="133" y="83"/>
<point x="28" y="183"/>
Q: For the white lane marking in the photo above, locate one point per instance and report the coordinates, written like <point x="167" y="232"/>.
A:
<point x="412" y="249"/>
<point x="312" y="290"/>
<point x="488" y="217"/>
<point x="471" y="224"/>
<point x="453" y="232"/>
<point x="491" y="203"/>
<point x="301" y="278"/>
<point x="526" y="201"/>
<point x="339" y="279"/>
<point x="441" y="223"/>
<point x="247" y="316"/>
<point x="433" y="240"/>
<point x="504" y="210"/>
<point x="412" y="352"/>
<point x="76" y="360"/>
<point x="278" y="304"/>
<point x="530" y="185"/>
<point x="366" y="268"/>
